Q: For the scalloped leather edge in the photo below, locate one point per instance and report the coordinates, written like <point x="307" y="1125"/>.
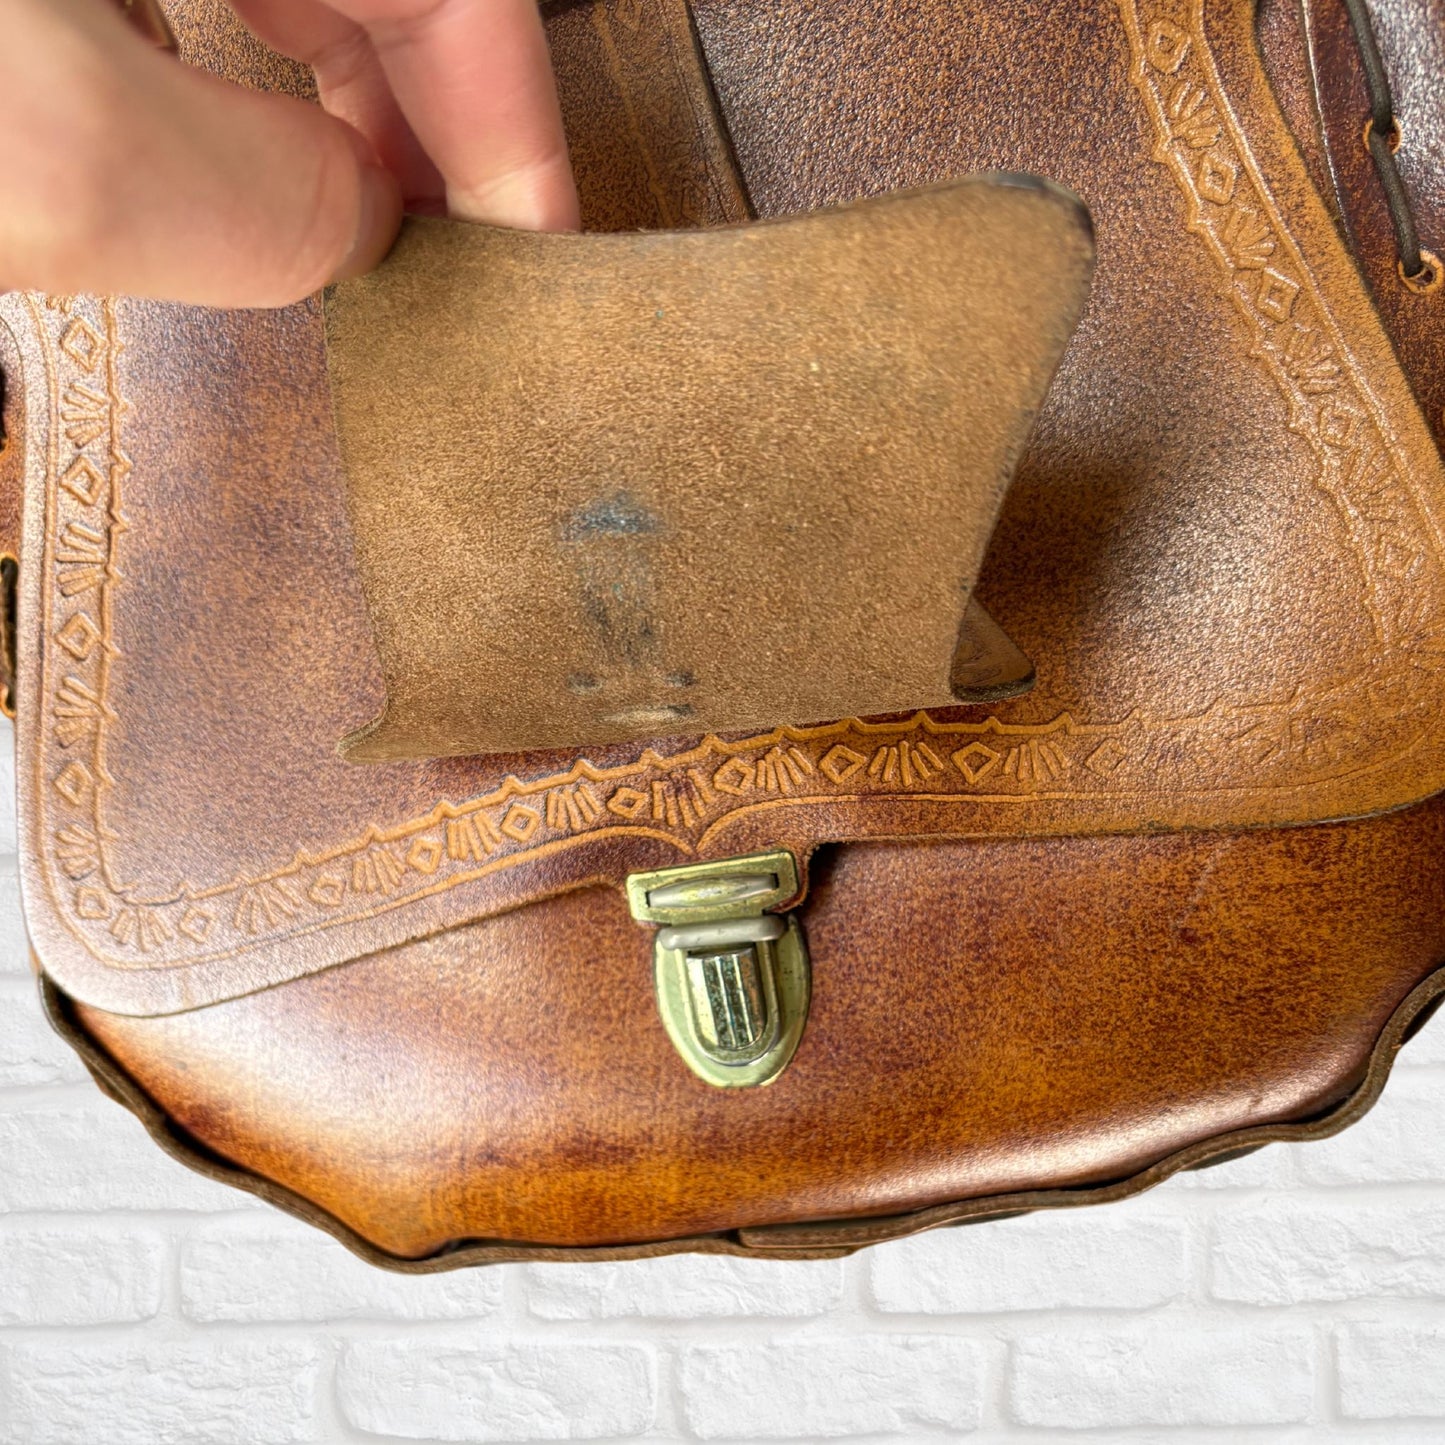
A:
<point x="821" y="1240"/>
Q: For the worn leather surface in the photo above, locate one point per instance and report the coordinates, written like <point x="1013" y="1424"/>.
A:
<point x="1040" y="1013"/>
<point x="648" y="148"/>
<point x="1284" y="52"/>
<point x="987" y="1016"/>
<point x="1412" y="45"/>
<point x="607" y="487"/>
<point x="12" y="488"/>
<point x="657" y="616"/>
<point x="12" y="444"/>
<point x="812" y="1240"/>
<point x="1220" y="550"/>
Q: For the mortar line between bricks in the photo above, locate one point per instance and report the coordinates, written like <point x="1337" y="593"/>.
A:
<point x="993" y="1328"/>
<point x="1199" y="1246"/>
<point x="913" y="1322"/>
<point x="1239" y="1433"/>
<point x="1382" y="1187"/>
<point x="1179" y="1310"/>
<point x="644" y="1327"/>
<point x="332" y="1425"/>
<point x="514" y="1300"/>
<point x="1368" y="1432"/>
<point x="121" y="1217"/>
<point x="1288" y="1434"/>
<point x="857" y="1292"/>
<point x="996" y="1396"/>
<point x="669" y="1398"/>
<point x="1329" y="1373"/>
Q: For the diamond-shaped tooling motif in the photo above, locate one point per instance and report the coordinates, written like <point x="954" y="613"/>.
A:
<point x="327" y="892"/>
<point x="82" y="343"/>
<point x="627" y="803"/>
<point x="839" y="764"/>
<point x="79" y="636"/>
<point x="91" y="903"/>
<point x="1106" y="758"/>
<point x="196" y="924"/>
<point x="735" y="777"/>
<point x="520" y="823"/>
<point x="1338" y="425"/>
<point x="74" y="783"/>
<point x="1217" y="179"/>
<point x="975" y="762"/>
<point x="83" y="480"/>
<point x="1276" y="294"/>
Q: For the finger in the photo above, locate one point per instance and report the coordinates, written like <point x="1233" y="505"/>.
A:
<point x="128" y="172"/>
<point x="475" y="81"/>
<point x="352" y="85"/>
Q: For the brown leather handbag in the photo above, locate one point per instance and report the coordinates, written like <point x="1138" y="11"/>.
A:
<point x="434" y="817"/>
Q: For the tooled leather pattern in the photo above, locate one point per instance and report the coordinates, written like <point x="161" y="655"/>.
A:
<point x="158" y="891"/>
<point x="987" y="1017"/>
<point x="1242" y="976"/>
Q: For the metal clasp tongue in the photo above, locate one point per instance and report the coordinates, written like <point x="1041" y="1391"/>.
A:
<point x="733" y="981"/>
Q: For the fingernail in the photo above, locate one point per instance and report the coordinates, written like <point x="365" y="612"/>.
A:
<point x="377" y="222"/>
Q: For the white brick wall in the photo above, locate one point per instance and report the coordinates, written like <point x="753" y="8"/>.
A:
<point x="1291" y="1297"/>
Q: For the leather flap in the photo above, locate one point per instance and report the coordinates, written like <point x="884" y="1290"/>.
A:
<point x="619" y="486"/>
<point x="1222" y="548"/>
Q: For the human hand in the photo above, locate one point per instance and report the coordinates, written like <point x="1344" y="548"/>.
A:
<point x="124" y="171"/>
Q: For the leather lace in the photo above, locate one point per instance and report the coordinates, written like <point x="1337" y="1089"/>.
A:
<point x="1382" y="135"/>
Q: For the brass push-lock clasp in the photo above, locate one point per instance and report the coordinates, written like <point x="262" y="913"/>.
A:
<point x="733" y="980"/>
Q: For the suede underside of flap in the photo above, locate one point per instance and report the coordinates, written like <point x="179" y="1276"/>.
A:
<point x="615" y="486"/>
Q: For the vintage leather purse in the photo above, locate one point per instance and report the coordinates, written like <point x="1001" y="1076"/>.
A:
<point x="434" y="817"/>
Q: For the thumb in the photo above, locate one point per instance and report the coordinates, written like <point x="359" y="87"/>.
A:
<point x="128" y="172"/>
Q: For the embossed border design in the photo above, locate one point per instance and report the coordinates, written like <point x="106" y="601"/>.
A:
<point x="1315" y="735"/>
<point x="1362" y="471"/>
